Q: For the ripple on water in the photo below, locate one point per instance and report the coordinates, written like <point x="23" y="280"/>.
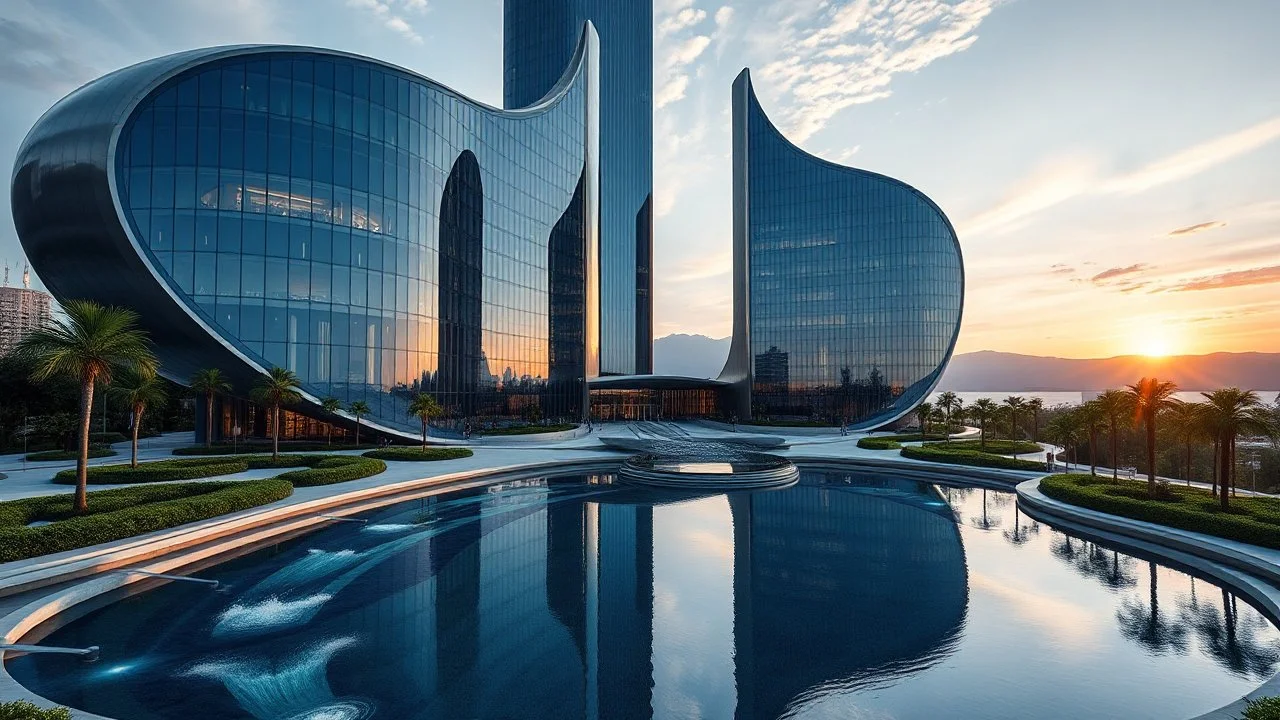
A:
<point x="340" y="710"/>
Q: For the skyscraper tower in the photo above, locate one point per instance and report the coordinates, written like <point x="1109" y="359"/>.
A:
<point x="538" y="41"/>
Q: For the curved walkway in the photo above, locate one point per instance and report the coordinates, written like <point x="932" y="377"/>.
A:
<point x="1250" y="570"/>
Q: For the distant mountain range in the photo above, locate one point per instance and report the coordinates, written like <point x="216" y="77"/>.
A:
<point x="990" y="371"/>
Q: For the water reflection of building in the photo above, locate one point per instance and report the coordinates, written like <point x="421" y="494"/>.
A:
<point x="890" y="557"/>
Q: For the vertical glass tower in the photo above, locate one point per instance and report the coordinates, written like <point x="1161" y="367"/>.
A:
<point x="539" y="37"/>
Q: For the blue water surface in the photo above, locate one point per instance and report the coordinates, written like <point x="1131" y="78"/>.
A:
<point x="847" y="596"/>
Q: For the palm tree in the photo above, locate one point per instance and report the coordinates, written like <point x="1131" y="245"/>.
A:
<point x="1015" y="403"/>
<point x="1115" y="404"/>
<point x="1035" y="405"/>
<point x="139" y="391"/>
<point x="1231" y="411"/>
<point x="331" y="406"/>
<point x="274" y="390"/>
<point x="949" y="402"/>
<point x="923" y="411"/>
<point x="359" y="408"/>
<point x="92" y="343"/>
<point x="1149" y="398"/>
<point x="425" y="408"/>
<point x="982" y="410"/>
<point x="209" y="382"/>
<point x="1090" y="417"/>
<point x="1065" y="431"/>
<point x="1189" y="424"/>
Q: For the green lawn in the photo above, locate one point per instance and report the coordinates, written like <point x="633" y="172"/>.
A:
<point x="879" y="443"/>
<point x="909" y="437"/>
<point x="417" y="454"/>
<point x="939" y="453"/>
<point x="195" y="468"/>
<point x="529" y="429"/>
<point x="1249" y="519"/>
<point x="995" y="447"/>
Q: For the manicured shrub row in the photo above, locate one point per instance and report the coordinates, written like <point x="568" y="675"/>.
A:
<point x="995" y="447"/>
<point x="333" y="469"/>
<point x="529" y="429"/>
<point x="95" y="451"/>
<point x="1267" y="708"/>
<point x="158" y="471"/>
<point x="417" y="454"/>
<point x="107" y="438"/>
<point x="259" y="447"/>
<point x="1251" y="520"/>
<point x="879" y="443"/>
<point x="23" y="710"/>
<point x="934" y="453"/>
<point x="123" y="513"/>
<point x="910" y="437"/>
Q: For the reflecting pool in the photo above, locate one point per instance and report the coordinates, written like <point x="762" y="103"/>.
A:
<point x="847" y="595"/>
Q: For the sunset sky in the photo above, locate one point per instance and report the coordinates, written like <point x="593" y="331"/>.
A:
<point x="1112" y="168"/>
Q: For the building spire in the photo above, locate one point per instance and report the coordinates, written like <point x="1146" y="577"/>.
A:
<point x="26" y="276"/>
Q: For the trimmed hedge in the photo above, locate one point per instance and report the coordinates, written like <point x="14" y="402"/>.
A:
<point x="334" y="469"/>
<point x="909" y="437"/>
<point x="158" y="471"/>
<point x="1267" y="708"/>
<point x="254" y="448"/>
<point x="879" y="443"/>
<point x="417" y="454"/>
<point x="529" y="429"/>
<point x="107" y="438"/>
<point x="49" y="455"/>
<point x="1254" y="520"/>
<point x="995" y="447"/>
<point x="971" y="458"/>
<point x="123" y="513"/>
<point x="23" y="710"/>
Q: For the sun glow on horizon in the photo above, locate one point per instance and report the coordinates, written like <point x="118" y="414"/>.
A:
<point x="1154" y="342"/>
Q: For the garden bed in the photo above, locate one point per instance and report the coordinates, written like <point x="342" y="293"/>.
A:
<point x="529" y="429"/>
<point x="879" y="443"/>
<point x="157" y="471"/>
<point x="253" y="448"/>
<point x="995" y="447"/>
<point x="971" y="458"/>
<point x="1250" y="519"/>
<point x="123" y="513"/>
<point x="416" y="454"/>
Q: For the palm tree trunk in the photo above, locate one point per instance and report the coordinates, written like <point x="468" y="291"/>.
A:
<point x="1224" y="470"/>
<point x="82" y="462"/>
<point x="275" y="431"/>
<point x="357" y="431"/>
<point x="1093" y="456"/>
<point x="208" y="419"/>
<point x="1151" y="453"/>
<point x="982" y="433"/>
<point x="1232" y="483"/>
<point x="1115" y="462"/>
<point x="1213" y="488"/>
<point x="424" y="435"/>
<point x="137" y="421"/>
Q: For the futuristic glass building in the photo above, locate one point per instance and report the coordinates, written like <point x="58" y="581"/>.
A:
<point x="848" y="285"/>
<point x="538" y="42"/>
<point x="374" y="232"/>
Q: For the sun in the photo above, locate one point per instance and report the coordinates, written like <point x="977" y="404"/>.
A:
<point x="1154" y="342"/>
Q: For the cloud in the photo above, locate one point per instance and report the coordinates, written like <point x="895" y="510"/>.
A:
<point x="677" y="48"/>
<point x="1066" y="178"/>
<point x="1115" y="272"/>
<point x="39" y="56"/>
<point x="1199" y="227"/>
<point x="724" y="16"/>
<point x="843" y="54"/>
<point x="390" y="18"/>
<point x="1061" y="269"/>
<point x="1234" y="278"/>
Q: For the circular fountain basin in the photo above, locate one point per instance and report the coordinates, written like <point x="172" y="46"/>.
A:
<point x="710" y="471"/>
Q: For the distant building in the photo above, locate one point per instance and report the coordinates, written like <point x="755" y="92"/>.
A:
<point x="21" y="311"/>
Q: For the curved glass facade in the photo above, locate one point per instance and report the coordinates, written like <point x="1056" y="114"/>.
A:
<point x="853" y="283"/>
<point x="538" y="42"/>
<point x="360" y="225"/>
